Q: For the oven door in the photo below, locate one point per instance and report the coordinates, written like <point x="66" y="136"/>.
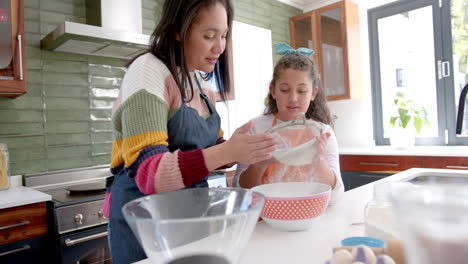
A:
<point x="86" y="247"/>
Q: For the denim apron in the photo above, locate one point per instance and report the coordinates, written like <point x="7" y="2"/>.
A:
<point x="187" y="130"/>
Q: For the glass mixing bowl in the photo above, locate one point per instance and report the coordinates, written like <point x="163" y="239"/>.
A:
<point x="191" y="223"/>
<point x="433" y="220"/>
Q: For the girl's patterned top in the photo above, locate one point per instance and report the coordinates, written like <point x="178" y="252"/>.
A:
<point x="331" y="155"/>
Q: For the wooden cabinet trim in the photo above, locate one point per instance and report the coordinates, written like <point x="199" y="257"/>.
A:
<point x="22" y="222"/>
<point x="351" y="42"/>
<point x="17" y="86"/>
<point x="394" y="164"/>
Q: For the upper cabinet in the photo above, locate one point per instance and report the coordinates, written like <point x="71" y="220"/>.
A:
<point x="333" y="32"/>
<point x="12" y="49"/>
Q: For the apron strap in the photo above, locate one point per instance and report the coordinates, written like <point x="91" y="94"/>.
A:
<point x="203" y="95"/>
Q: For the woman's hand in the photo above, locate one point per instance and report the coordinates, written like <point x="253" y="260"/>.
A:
<point x="241" y="147"/>
<point x="250" y="148"/>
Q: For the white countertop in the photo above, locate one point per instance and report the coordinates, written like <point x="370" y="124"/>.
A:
<point x="444" y="151"/>
<point x="20" y="195"/>
<point x="343" y="219"/>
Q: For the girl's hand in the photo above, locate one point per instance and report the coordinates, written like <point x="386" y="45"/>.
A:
<point x="322" y="144"/>
<point x="250" y="148"/>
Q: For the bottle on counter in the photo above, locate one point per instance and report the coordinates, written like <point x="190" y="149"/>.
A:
<point x="4" y="169"/>
<point x="379" y="217"/>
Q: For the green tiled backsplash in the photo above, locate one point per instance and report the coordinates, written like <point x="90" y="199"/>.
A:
<point x="64" y="120"/>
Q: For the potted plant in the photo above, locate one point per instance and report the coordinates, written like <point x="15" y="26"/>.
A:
<point x="407" y="122"/>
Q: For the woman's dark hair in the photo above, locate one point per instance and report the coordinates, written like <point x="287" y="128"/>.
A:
<point x="177" y="17"/>
<point x="318" y="109"/>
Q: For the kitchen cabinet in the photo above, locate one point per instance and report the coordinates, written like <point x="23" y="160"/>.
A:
<point x="357" y="170"/>
<point x="333" y="32"/>
<point x="460" y="163"/>
<point x="12" y="49"/>
<point x="23" y="231"/>
<point x="354" y="179"/>
<point x="378" y="163"/>
<point x="29" y="251"/>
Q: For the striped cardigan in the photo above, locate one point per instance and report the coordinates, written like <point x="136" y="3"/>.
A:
<point x="148" y="99"/>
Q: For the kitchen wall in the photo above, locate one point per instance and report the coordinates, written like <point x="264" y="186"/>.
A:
<point x="64" y="121"/>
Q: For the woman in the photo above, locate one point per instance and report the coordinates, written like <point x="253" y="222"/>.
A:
<point x="167" y="132"/>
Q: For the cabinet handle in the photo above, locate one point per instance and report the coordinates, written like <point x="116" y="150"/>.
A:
<point x="25" y="222"/>
<point x="70" y="242"/>
<point x="20" y="54"/>
<point x="378" y="163"/>
<point x="25" y="247"/>
<point x="372" y="176"/>
<point x="456" y="167"/>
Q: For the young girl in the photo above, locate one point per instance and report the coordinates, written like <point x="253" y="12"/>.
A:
<point x="295" y="89"/>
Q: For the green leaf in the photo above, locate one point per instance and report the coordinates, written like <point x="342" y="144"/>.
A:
<point x="417" y="124"/>
<point x="402" y="113"/>
<point x="392" y="120"/>
<point x="405" y="120"/>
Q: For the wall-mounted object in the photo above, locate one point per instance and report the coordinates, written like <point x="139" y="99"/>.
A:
<point x="333" y="32"/>
<point x="4" y="170"/>
<point x="461" y="109"/>
<point x="113" y="29"/>
<point x="12" y="49"/>
<point x="400" y="77"/>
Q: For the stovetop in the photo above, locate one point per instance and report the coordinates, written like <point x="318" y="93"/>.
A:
<point x="77" y="197"/>
<point x="64" y="197"/>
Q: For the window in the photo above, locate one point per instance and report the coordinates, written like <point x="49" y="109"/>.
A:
<point x="418" y="49"/>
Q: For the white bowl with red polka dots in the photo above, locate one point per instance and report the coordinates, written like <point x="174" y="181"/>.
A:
<point x="293" y="206"/>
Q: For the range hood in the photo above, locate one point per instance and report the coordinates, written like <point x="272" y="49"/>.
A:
<point x="113" y="29"/>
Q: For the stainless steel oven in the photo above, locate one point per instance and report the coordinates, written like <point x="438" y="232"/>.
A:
<point x="77" y="226"/>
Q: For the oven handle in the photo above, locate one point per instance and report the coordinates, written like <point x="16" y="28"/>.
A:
<point x="70" y="242"/>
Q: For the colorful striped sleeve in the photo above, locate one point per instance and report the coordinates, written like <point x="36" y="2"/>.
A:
<point x="141" y="139"/>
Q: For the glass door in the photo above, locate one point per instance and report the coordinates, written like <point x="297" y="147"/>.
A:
<point x="6" y="53"/>
<point x="457" y="49"/>
<point x="407" y="66"/>
<point x="332" y="52"/>
<point x="405" y="49"/>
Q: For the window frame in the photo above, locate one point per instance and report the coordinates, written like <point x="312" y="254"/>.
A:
<point x="446" y="112"/>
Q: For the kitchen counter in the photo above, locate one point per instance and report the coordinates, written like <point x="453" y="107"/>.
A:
<point x="314" y="246"/>
<point x="20" y="195"/>
<point x="439" y="151"/>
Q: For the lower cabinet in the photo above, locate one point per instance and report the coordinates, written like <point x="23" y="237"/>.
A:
<point x="23" y="234"/>
<point x="29" y="251"/>
<point x="354" y="179"/>
<point x="358" y="170"/>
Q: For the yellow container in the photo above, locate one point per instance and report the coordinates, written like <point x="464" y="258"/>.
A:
<point x="4" y="170"/>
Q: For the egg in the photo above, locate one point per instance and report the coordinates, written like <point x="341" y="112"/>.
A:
<point x="363" y="254"/>
<point x="341" y="256"/>
<point x="384" y="259"/>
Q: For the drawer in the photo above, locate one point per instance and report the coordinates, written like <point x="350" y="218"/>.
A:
<point x="459" y="163"/>
<point x="371" y="163"/>
<point x="22" y="222"/>
<point x="358" y="179"/>
<point x="29" y="251"/>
